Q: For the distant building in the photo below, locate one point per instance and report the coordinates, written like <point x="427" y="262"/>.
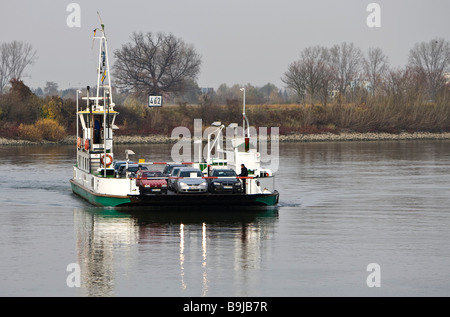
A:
<point x="205" y="91"/>
<point x="447" y="78"/>
<point x="367" y="85"/>
<point x="334" y="93"/>
<point x="354" y="84"/>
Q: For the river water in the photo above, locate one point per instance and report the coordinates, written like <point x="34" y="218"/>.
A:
<point x="354" y="219"/>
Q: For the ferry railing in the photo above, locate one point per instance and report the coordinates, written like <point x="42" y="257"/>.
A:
<point x="241" y="178"/>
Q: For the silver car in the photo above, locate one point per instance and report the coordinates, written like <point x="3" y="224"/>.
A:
<point x="190" y="181"/>
<point x="171" y="177"/>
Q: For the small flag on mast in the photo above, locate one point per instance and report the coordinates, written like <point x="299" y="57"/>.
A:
<point x="93" y="39"/>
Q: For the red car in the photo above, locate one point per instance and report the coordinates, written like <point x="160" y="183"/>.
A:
<point x="151" y="182"/>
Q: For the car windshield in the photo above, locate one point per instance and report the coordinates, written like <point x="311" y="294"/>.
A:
<point x="152" y="174"/>
<point x="175" y="171"/>
<point x="135" y="168"/>
<point x="188" y="173"/>
<point x="117" y="165"/>
<point x="171" y="168"/>
<point x="229" y="173"/>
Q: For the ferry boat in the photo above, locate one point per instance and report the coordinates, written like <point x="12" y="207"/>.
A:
<point x="96" y="180"/>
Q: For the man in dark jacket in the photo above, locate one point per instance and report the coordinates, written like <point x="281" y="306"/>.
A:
<point x="244" y="173"/>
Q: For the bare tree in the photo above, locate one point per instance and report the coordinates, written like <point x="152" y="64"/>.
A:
<point x="345" y="63"/>
<point x="295" y="80"/>
<point x="310" y="74"/>
<point x="431" y="60"/>
<point x="376" y="64"/>
<point x="51" y="88"/>
<point x="396" y="82"/>
<point x="315" y="66"/>
<point x="14" y="58"/>
<point x="156" y="64"/>
<point x="404" y="85"/>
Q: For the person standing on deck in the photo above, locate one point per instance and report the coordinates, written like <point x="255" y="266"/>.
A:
<point x="244" y="173"/>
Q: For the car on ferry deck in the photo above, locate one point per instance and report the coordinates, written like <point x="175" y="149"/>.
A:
<point x="171" y="177"/>
<point x="190" y="180"/>
<point x="224" y="181"/>
<point x="151" y="182"/>
<point x="117" y="165"/>
<point x="168" y="169"/>
<point x="132" y="168"/>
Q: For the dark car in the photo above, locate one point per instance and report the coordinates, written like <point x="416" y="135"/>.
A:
<point x="118" y="163"/>
<point x="168" y="170"/>
<point x="224" y="181"/>
<point x="132" y="168"/>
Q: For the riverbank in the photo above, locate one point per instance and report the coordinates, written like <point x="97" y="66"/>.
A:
<point x="331" y="137"/>
<point x="322" y="137"/>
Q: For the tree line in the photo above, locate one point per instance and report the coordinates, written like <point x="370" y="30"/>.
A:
<point x="327" y="89"/>
<point x="343" y="71"/>
<point x="162" y="64"/>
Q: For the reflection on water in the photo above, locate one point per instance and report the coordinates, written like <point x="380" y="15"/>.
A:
<point x="109" y="243"/>
<point x="99" y="235"/>
<point x="342" y="206"/>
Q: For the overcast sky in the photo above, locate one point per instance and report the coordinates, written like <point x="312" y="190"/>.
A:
<point x="240" y="41"/>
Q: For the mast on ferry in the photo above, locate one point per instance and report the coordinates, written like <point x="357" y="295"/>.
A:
<point x="103" y="73"/>
<point x="97" y="120"/>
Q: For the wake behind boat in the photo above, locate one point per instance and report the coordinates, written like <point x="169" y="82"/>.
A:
<point x="231" y="177"/>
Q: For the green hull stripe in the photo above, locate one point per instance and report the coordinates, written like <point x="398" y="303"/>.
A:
<point x="268" y="200"/>
<point x="113" y="201"/>
<point x="99" y="200"/>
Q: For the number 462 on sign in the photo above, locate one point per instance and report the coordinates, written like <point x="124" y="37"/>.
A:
<point x="155" y="101"/>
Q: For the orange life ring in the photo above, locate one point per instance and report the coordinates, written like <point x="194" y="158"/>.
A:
<point x="108" y="160"/>
<point x="79" y="142"/>
<point x="86" y="144"/>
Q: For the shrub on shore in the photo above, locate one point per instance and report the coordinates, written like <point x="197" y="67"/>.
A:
<point x="26" y="116"/>
<point x="43" y="129"/>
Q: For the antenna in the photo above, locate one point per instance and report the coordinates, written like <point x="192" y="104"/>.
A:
<point x="103" y="74"/>
<point x="97" y="29"/>
<point x="101" y="22"/>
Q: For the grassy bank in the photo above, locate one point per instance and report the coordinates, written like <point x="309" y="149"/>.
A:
<point x="390" y="118"/>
